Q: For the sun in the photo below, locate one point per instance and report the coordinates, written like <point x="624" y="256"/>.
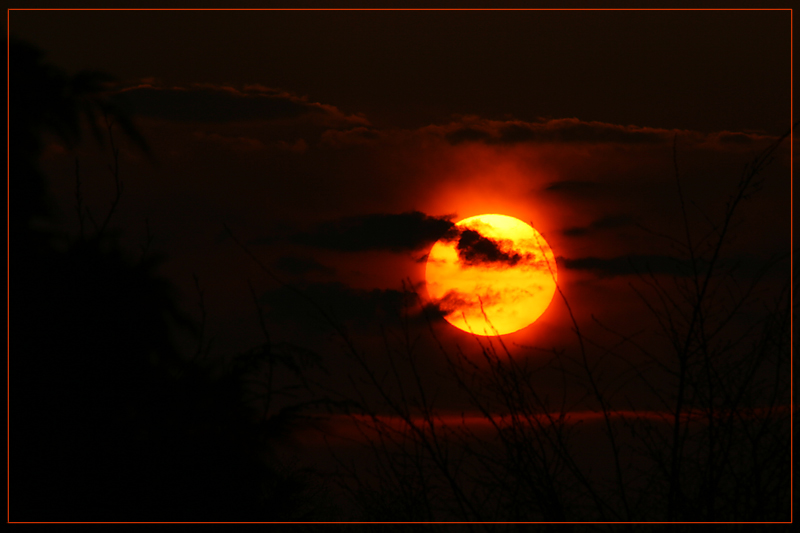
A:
<point x="491" y="275"/>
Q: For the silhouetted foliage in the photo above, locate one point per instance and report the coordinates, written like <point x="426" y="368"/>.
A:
<point x="108" y="421"/>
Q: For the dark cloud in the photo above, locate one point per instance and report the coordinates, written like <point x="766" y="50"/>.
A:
<point x="351" y="137"/>
<point x="407" y="231"/>
<point x="208" y="104"/>
<point x="576" y="231"/>
<point x="466" y="134"/>
<point x="565" y="130"/>
<point x="466" y="302"/>
<point x="433" y="311"/>
<point x="574" y="131"/>
<point x="453" y="301"/>
<point x="744" y="264"/>
<point x="301" y="265"/>
<point x="235" y="142"/>
<point x="612" y="221"/>
<point x="475" y="249"/>
<point x="341" y="303"/>
<point x="627" y="265"/>
<point x="517" y="133"/>
<point x="727" y="137"/>
<point x="217" y="104"/>
<point x="572" y="187"/>
<point x="606" y="222"/>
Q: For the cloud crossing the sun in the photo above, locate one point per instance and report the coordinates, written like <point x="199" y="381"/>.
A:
<point x="408" y="231"/>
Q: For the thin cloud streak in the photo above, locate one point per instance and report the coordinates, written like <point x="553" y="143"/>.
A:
<point x="219" y="104"/>
<point x="360" y="426"/>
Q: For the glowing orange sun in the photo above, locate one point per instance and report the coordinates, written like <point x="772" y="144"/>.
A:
<point x="491" y="267"/>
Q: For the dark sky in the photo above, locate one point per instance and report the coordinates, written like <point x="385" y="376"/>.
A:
<point x="336" y="143"/>
<point x="705" y="71"/>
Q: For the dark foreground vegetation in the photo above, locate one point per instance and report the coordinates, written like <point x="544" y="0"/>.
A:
<point x="110" y="420"/>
